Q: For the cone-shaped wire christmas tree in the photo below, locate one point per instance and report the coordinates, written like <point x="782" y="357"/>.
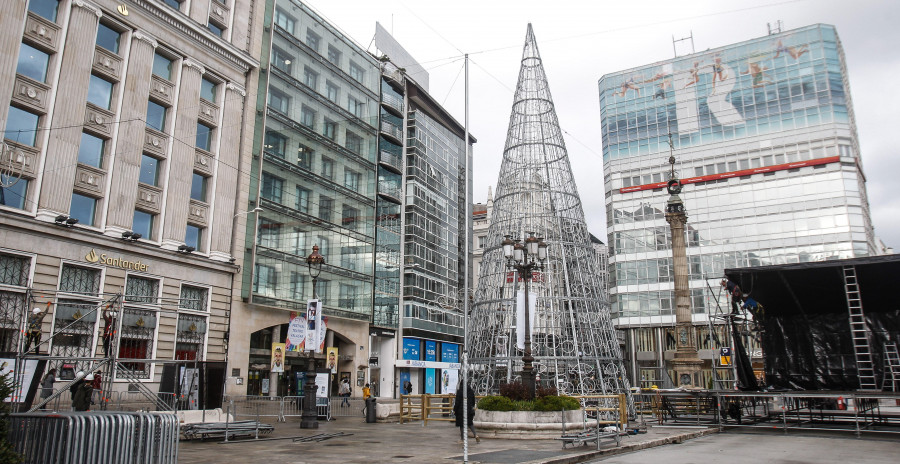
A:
<point x="573" y="341"/>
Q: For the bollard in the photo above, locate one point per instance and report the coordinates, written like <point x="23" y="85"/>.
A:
<point x="227" y="417"/>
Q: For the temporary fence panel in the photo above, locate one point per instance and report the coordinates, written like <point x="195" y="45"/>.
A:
<point x="411" y="408"/>
<point x="606" y="409"/>
<point x="437" y="408"/>
<point x="257" y="406"/>
<point x="95" y="437"/>
<point x="347" y="407"/>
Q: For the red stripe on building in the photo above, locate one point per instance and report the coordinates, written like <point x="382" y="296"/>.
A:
<point x="726" y="175"/>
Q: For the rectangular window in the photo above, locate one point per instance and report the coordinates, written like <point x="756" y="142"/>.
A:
<point x="349" y="216"/>
<point x="32" y="63"/>
<point x="312" y="40"/>
<point x="355" y="106"/>
<point x="193" y="236"/>
<point x="276" y="143"/>
<point x="354" y="143"/>
<point x="100" y="92"/>
<point x="265" y="280"/>
<point x="208" y="90"/>
<point x="327" y="168"/>
<point x="307" y="117"/>
<point x="14" y="270"/>
<point x="156" y="116"/>
<point x="326" y="206"/>
<point x="302" y="204"/>
<point x="334" y="56"/>
<point x="108" y="38"/>
<point x="83" y="209"/>
<point x="173" y="3"/>
<point x="190" y="334"/>
<point x="281" y="60"/>
<point x="90" y="151"/>
<point x="21" y="126"/>
<point x="76" y="279"/>
<point x="143" y="224"/>
<point x="13" y="195"/>
<point x="162" y="67"/>
<point x="198" y="187"/>
<point x="298" y="284"/>
<point x="347" y="296"/>
<point x="332" y="91"/>
<point x="204" y="136"/>
<point x="272" y="187"/>
<point x="194" y="298"/>
<point x="279" y="101"/>
<point x="304" y="156"/>
<point x="330" y="129"/>
<point x="310" y="77"/>
<point x="269" y="235"/>
<point x="357" y="72"/>
<point x="44" y="8"/>
<point x="284" y="21"/>
<point x="141" y="290"/>
<point x="217" y="30"/>
<point x="149" y="171"/>
<point x="351" y="179"/>
<point x="136" y="340"/>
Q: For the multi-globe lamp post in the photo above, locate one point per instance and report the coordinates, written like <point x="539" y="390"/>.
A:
<point x="310" y="417"/>
<point x="525" y="259"/>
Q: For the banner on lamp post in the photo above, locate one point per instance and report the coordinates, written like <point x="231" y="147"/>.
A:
<point x="520" y="316"/>
<point x="296" y="334"/>
<point x="313" y="319"/>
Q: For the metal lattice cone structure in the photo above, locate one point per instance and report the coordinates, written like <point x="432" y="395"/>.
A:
<point x="573" y="340"/>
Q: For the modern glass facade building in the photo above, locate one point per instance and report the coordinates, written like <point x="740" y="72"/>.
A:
<point x="765" y="141"/>
<point x="315" y="169"/>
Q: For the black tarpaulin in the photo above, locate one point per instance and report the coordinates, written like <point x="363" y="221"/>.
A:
<point x="806" y="338"/>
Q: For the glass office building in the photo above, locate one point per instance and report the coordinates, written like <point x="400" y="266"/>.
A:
<point x="765" y="141"/>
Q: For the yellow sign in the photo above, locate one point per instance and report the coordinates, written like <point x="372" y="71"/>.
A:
<point x="123" y="263"/>
<point x="123" y="10"/>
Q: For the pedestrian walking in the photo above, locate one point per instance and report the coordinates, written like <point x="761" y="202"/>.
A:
<point x="367" y="392"/>
<point x="47" y="384"/>
<point x="344" y="392"/>
<point x="407" y="387"/>
<point x="470" y="409"/>
<point x="74" y="387"/>
<point x="82" y="399"/>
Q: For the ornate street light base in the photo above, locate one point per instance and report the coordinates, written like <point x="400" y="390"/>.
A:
<point x="310" y="417"/>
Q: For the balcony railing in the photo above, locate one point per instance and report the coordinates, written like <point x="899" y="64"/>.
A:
<point x="392" y="130"/>
<point x="390" y="189"/>
<point x="392" y="101"/>
<point x="391" y="160"/>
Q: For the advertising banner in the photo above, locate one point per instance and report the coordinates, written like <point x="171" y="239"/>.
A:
<point x="411" y="349"/>
<point x="312" y="325"/>
<point x="429" y="381"/>
<point x="725" y="356"/>
<point x="331" y="359"/>
<point x="296" y="333"/>
<point x="449" y="352"/>
<point x="277" y="357"/>
<point x="520" y="316"/>
<point x="430" y="350"/>
<point x="449" y="379"/>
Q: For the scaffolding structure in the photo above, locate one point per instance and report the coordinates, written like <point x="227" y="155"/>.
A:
<point x="123" y="330"/>
<point x="574" y="344"/>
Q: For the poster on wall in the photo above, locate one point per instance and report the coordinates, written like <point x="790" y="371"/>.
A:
<point x="331" y="360"/>
<point x="449" y="379"/>
<point x="7" y="365"/>
<point x="404" y="380"/>
<point x="449" y="352"/>
<point x="296" y="333"/>
<point x="277" y="357"/>
<point x="322" y="385"/>
<point x="429" y="381"/>
<point x="411" y="348"/>
<point x="190" y="387"/>
<point x="430" y="350"/>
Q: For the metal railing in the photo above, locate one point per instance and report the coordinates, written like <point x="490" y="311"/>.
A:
<point x="94" y="437"/>
<point x="257" y="406"/>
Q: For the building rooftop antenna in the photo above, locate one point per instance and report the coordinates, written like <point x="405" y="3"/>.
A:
<point x="775" y="28"/>
<point x="674" y="41"/>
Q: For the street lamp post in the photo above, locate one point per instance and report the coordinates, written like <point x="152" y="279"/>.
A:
<point x="310" y="417"/>
<point x="525" y="259"/>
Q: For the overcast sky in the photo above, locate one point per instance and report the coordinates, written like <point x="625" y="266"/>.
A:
<point x="579" y="41"/>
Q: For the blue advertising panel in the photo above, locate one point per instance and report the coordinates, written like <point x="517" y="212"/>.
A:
<point x="411" y="349"/>
<point x="429" y="381"/>
<point x="430" y="350"/>
<point x="404" y="377"/>
<point x="449" y="352"/>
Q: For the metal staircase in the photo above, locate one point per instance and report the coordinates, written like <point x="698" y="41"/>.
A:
<point x="859" y="332"/>
<point x="891" y="373"/>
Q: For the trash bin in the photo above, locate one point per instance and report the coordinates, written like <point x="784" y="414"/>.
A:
<point x="370" y="410"/>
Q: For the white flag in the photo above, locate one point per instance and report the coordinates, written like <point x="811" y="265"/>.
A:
<point x="520" y="317"/>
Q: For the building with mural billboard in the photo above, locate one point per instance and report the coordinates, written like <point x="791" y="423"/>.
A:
<point x="766" y="145"/>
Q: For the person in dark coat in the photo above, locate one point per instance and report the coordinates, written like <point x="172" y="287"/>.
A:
<point x="470" y="409"/>
<point x="47" y="384"/>
<point x="82" y="400"/>
<point x="74" y="387"/>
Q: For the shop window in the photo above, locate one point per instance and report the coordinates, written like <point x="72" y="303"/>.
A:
<point x="14" y="270"/>
<point x="136" y="340"/>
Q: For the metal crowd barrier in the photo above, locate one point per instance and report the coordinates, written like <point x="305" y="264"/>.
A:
<point x="257" y="406"/>
<point x="875" y="412"/>
<point x="352" y="407"/>
<point x="606" y="409"/>
<point x="95" y="437"/>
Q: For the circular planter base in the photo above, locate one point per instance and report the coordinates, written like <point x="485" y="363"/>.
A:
<point x="529" y="424"/>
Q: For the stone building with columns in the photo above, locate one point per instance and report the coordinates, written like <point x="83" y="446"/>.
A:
<point x="124" y="169"/>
